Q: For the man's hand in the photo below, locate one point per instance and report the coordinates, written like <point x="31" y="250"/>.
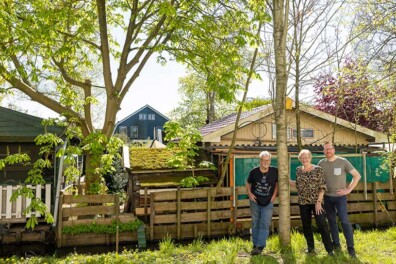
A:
<point x="252" y="197"/>
<point x="341" y="192"/>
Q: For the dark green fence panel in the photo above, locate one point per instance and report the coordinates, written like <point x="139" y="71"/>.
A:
<point x="376" y="169"/>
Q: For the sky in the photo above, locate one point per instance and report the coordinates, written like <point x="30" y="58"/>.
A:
<point x="156" y="86"/>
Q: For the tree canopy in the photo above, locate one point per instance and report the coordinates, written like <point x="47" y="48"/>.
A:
<point x="49" y="48"/>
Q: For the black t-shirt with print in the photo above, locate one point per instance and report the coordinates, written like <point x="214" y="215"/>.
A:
<point x="262" y="185"/>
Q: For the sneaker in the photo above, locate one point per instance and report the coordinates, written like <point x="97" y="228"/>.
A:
<point x="310" y="251"/>
<point x="330" y="253"/>
<point x="353" y="255"/>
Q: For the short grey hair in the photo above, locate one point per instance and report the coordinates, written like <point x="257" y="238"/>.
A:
<point x="304" y="151"/>
<point x="265" y="153"/>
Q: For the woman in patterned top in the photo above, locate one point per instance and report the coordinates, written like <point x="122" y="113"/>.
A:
<point x="311" y="186"/>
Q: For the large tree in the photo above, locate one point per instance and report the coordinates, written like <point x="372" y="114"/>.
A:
<point x="48" y="47"/>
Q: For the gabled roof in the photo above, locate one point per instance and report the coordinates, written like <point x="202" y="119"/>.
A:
<point x="20" y="127"/>
<point x="212" y="132"/>
<point x="140" y="109"/>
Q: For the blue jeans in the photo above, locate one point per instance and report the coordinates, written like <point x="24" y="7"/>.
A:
<point x="334" y="205"/>
<point x="261" y="222"/>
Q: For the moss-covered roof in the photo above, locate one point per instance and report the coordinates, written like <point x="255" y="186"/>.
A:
<point x="150" y="158"/>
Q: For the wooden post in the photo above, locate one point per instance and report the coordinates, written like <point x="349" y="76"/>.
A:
<point x="145" y="201"/>
<point x="209" y="210"/>
<point x="116" y="205"/>
<point x="178" y="212"/>
<point x="117" y="240"/>
<point x="59" y="224"/>
<point x="235" y="208"/>
<point x="375" y="201"/>
<point x="365" y="175"/>
<point x="152" y="214"/>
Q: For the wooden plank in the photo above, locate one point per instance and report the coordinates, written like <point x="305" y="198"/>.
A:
<point x="48" y="197"/>
<point x="99" y="221"/>
<point x="188" y="206"/>
<point x="8" y="203"/>
<point x="385" y="196"/>
<point x="86" y="239"/>
<point x="88" y="210"/>
<point x="192" y="230"/>
<point x="38" y="196"/>
<point x="190" y="194"/>
<point x="192" y="217"/>
<point x="28" y="202"/>
<point x="95" y="199"/>
<point x="361" y="207"/>
<point x="18" y="206"/>
<point x="391" y="205"/>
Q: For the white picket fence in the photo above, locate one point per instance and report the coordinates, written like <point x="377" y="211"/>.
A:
<point x="14" y="211"/>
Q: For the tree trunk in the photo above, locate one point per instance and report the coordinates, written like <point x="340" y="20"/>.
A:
<point x="280" y="20"/>
<point x="92" y="178"/>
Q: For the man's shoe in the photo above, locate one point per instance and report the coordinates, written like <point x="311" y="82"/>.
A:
<point x="310" y="251"/>
<point x="337" y="248"/>
<point x="256" y="251"/>
<point x="351" y="252"/>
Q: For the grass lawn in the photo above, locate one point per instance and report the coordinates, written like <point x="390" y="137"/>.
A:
<point x="377" y="246"/>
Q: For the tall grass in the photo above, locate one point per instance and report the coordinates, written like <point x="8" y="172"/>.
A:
<point x="371" y="247"/>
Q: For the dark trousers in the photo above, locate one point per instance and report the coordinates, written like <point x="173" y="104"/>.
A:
<point x="306" y="212"/>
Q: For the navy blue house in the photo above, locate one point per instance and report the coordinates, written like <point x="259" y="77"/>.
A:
<point x="145" y="123"/>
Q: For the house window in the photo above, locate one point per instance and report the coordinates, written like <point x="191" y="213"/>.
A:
<point x="142" y="116"/>
<point x="274" y="132"/>
<point x="151" y="117"/>
<point x="123" y="130"/>
<point x="134" y="131"/>
<point x="305" y="133"/>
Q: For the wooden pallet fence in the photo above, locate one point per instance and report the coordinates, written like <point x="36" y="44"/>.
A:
<point x="88" y="209"/>
<point x="189" y="213"/>
<point x="14" y="212"/>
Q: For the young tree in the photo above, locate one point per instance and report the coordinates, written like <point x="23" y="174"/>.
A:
<point x="280" y="11"/>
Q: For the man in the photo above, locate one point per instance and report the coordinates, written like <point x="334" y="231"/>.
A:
<point x="262" y="188"/>
<point x="335" y="170"/>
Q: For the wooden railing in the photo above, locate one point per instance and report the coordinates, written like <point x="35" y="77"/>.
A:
<point x="14" y="211"/>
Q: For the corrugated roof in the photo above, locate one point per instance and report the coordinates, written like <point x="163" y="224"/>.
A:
<point x="228" y="120"/>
